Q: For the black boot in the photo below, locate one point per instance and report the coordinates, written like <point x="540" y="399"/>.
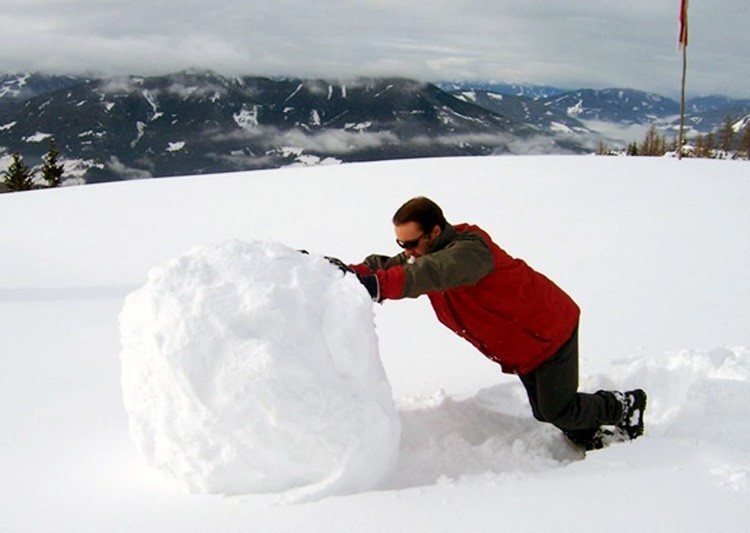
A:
<point x="633" y="411"/>
<point x="583" y="438"/>
<point x="596" y="439"/>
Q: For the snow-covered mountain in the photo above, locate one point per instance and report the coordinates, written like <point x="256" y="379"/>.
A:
<point x="198" y="122"/>
<point x="708" y="113"/>
<point x="533" y="111"/>
<point x="592" y="114"/>
<point x="535" y="92"/>
<point x="201" y="122"/>
<point x="19" y="87"/>
<point x="614" y="105"/>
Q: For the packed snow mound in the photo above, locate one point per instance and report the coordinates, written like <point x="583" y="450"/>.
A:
<point x="253" y="368"/>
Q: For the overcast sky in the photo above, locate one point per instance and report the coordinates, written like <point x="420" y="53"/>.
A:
<point x="571" y="44"/>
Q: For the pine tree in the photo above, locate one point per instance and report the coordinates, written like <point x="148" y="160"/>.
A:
<point x="711" y="145"/>
<point x="52" y="170"/>
<point x="745" y="142"/>
<point x="18" y="176"/>
<point x="673" y="145"/>
<point x="726" y="136"/>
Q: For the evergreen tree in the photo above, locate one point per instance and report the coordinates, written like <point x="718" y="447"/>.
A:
<point x="673" y="145"/>
<point x="711" y="145"/>
<point x="633" y="148"/>
<point x="745" y="142"/>
<point x="726" y="136"/>
<point x="52" y="170"/>
<point x="18" y="176"/>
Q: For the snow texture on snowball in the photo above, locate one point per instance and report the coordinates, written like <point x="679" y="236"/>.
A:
<point x="253" y="368"/>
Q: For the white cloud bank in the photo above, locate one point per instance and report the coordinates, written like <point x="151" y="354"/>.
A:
<point x="574" y="43"/>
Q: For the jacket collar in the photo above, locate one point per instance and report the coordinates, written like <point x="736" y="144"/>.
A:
<point x="445" y="238"/>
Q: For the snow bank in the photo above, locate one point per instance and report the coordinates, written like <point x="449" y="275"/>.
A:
<point x="253" y="368"/>
<point x="698" y="395"/>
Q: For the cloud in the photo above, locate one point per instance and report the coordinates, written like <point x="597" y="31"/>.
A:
<point x="126" y="172"/>
<point x="570" y="44"/>
<point x="336" y="141"/>
<point x="325" y="141"/>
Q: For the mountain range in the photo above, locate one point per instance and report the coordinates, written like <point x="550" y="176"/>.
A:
<point x="195" y="122"/>
<point x="584" y="108"/>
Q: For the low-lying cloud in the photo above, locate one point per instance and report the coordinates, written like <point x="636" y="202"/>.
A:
<point x="570" y="44"/>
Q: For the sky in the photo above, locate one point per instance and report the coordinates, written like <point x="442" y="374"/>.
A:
<point x="571" y="44"/>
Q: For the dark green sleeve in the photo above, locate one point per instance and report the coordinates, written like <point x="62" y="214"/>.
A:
<point x="462" y="262"/>
<point x="381" y="262"/>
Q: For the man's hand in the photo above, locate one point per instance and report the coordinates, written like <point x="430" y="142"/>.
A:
<point x="343" y="267"/>
<point x="368" y="281"/>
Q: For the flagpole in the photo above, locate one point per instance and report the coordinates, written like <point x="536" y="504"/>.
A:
<point x="683" y="40"/>
<point x="682" y="101"/>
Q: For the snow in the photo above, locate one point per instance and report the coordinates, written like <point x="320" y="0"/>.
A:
<point x="308" y="160"/>
<point x="74" y="170"/>
<point x="253" y="368"/>
<point x="560" y="128"/>
<point x="247" y="119"/>
<point x="294" y="93"/>
<point x="37" y="137"/>
<point x="655" y="251"/>
<point x="152" y="101"/>
<point x="175" y="146"/>
<point x="380" y="93"/>
<point x="576" y="109"/>
<point x="737" y="127"/>
<point x="358" y="126"/>
<point x="141" y="127"/>
<point x="6" y="161"/>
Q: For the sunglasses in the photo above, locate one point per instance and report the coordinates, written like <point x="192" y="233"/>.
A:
<point x="411" y="244"/>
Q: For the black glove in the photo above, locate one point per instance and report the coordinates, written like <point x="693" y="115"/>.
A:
<point x="370" y="282"/>
<point x="340" y="264"/>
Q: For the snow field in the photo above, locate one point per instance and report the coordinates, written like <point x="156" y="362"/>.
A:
<point x="654" y="250"/>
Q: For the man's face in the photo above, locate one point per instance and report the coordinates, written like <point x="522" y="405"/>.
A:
<point x="413" y="240"/>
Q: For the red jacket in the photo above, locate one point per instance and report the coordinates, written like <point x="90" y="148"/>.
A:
<point x="514" y="315"/>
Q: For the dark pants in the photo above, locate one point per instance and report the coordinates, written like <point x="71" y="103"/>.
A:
<point x="553" y="393"/>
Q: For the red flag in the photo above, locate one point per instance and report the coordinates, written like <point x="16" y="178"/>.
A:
<point x="683" y="39"/>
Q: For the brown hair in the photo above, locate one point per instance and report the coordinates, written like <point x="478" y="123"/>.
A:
<point x="421" y="210"/>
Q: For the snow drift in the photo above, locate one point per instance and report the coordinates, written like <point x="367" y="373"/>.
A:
<point x="253" y="368"/>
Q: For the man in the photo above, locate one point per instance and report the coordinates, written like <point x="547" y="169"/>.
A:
<point x="512" y="314"/>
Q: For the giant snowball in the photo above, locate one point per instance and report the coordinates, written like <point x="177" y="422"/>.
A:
<point x="253" y="368"/>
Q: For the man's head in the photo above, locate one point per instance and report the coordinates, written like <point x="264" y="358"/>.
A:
<point x="418" y="223"/>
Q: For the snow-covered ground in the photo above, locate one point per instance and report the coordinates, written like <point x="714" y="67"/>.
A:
<point x="654" y="250"/>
